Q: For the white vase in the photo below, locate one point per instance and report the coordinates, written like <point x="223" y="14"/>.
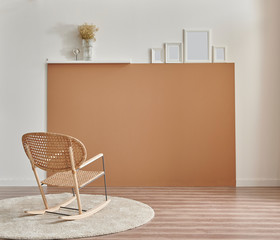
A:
<point x="87" y="49"/>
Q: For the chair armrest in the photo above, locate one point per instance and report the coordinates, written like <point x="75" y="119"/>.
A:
<point x="91" y="160"/>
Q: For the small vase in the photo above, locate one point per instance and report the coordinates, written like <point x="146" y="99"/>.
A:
<point x="87" y="49"/>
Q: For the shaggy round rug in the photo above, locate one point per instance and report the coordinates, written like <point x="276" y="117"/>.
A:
<point x="119" y="215"/>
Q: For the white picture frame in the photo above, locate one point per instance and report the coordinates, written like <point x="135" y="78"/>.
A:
<point x="173" y="52"/>
<point x="219" y="54"/>
<point x="197" y="46"/>
<point x="157" y="55"/>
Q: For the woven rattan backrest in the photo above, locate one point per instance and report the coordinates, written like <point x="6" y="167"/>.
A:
<point x="50" y="151"/>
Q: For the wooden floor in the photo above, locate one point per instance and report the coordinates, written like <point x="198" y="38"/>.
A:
<point x="195" y="213"/>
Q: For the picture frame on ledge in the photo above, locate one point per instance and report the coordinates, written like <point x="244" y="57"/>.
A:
<point x="219" y="54"/>
<point x="173" y="52"/>
<point x="157" y="55"/>
<point x="197" y="46"/>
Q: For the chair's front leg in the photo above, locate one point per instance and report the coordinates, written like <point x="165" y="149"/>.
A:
<point x="76" y="185"/>
<point x="104" y="178"/>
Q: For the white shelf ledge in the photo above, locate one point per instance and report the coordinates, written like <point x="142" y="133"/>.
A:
<point x="88" y="62"/>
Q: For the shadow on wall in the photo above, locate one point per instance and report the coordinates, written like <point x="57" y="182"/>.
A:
<point x="70" y="39"/>
<point x="270" y="86"/>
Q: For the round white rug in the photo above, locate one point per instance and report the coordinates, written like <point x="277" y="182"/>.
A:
<point x="119" y="215"/>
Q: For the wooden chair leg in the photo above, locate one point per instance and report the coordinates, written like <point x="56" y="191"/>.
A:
<point x="78" y="199"/>
<point x="76" y="185"/>
<point x="43" y="195"/>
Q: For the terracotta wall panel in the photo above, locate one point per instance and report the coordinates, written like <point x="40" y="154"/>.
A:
<point x="157" y="124"/>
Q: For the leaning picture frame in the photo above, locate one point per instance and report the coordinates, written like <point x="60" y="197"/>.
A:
<point x="157" y="55"/>
<point x="173" y="52"/>
<point x="219" y="54"/>
<point x="197" y="45"/>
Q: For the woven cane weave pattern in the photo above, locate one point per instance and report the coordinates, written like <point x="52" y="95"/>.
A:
<point x="65" y="179"/>
<point x="50" y="151"/>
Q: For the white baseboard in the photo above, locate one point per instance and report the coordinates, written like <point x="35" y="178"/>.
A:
<point x="18" y="182"/>
<point x="257" y="182"/>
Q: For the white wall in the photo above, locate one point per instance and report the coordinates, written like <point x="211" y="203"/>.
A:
<point x="32" y="31"/>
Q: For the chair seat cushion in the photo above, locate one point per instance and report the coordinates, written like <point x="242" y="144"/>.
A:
<point x="65" y="179"/>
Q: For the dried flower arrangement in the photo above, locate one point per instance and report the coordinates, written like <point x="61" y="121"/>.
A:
<point x="87" y="31"/>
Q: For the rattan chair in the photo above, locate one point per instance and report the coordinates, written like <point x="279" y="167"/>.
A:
<point x="65" y="156"/>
